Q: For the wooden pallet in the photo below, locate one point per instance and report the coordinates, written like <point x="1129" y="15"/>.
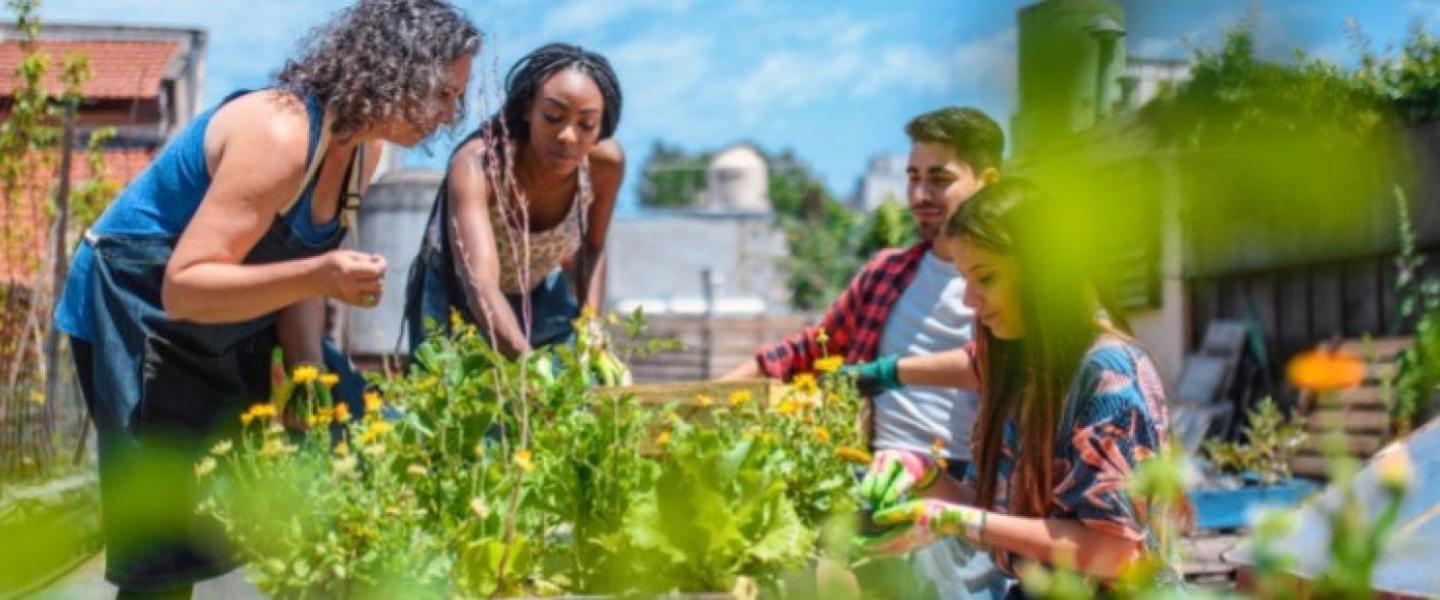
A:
<point x="1362" y="414"/>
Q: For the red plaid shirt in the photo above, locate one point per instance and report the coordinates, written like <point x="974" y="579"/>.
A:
<point x="854" y="322"/>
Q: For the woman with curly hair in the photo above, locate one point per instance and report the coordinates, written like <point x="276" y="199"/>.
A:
<point x="529" y="192"/>
<point x="227" y="245"/>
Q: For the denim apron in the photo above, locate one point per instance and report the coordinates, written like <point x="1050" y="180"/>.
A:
<point x="435" y="286"/>
<point x="166" y="390"/>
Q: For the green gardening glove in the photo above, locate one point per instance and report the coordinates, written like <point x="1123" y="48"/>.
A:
<point x="877" y="377"/>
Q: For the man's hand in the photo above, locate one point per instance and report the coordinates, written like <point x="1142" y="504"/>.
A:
<point x="875" y="378"/>
<point x="892" y="473"/>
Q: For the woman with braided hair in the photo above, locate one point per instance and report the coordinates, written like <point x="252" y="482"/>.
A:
<point x="527" y="196"/>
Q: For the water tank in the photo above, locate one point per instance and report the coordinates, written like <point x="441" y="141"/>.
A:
<point x="737" y="180"/>
<point x="391" y="222"/>
<point x="1071" y="54"/>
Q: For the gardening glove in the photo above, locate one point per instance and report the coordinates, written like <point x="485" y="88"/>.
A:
<point x="921" y="523"/>
<point x="892" y="473"/>
<point x="877" y="377"/>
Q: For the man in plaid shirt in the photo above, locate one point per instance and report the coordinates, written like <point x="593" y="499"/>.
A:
<point x="908" y="302"/>
<point x="954" y="152"/>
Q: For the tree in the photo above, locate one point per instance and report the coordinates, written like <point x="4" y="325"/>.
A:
<point x="673" y="178"/>
<point x="31" y="145"/>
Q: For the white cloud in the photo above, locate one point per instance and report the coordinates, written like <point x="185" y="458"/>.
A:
<point x="580" y="16"/>
<point x="987" y="66"/>
<point x="1157" y="48"/>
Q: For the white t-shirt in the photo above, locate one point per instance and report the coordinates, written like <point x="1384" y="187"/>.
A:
<point x="929" y="317"/>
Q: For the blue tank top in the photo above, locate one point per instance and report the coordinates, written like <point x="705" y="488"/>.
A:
<point x="163" y="198"/>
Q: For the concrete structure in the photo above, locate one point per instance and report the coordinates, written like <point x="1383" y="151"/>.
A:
<point x="658" y="263"/>
<point x="737" y="180"/>
<point x="1070" y="57"/>
<point x="391" y="223"/>
<point x="884" y="179"/>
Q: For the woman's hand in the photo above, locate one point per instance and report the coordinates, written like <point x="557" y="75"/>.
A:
<point x="355" y="278"/>
<point x="892" y="473"/>
<point x="921" y="523"/>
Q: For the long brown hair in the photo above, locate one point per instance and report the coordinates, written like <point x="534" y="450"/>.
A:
<point x="1029" y="379"/>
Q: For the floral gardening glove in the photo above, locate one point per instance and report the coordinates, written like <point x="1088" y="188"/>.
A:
<point x="921" y="523"/>
<point x="892" y="473"/>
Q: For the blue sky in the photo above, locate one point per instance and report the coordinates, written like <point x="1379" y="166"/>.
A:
<point x="835" y="81"/>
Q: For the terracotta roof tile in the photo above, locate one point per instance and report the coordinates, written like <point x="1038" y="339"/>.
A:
<point x="120" y="69"/>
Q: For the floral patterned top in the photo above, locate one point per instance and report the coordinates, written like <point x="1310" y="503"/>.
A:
<point x="1115" y="418"/>
<point x="548" y="248"/>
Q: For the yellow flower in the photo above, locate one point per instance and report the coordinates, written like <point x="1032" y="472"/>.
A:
<point x="305" y="374"/>
<point x="221" y="448"/>
<point x="663" y="439"/>
<point x="612" y="319"/>
<point x="264" y="410"/>
<point x="805" y="384"/>
<point x="329" y="379"/>
<point x="456" y="321"/>
<point x="821" y="337"/>
<point x="374" y="431"/>
<point x="372" y="402"/>
<point x="479" y="507"/>
<point x="246" y="417"/>
<point x="739" y="397"/>
<point x="1396" y="472"/>
<point x="342" y="449"/>
<point x="1323" y="370"/>
<point x="311" y="421"/>
<point x="787" y="407"/>
<point x="325" y="415"/>
<point x="832" y="398"/>
<point x="703" y="400"/>
<point x="829" y="364"/>
<point x="275" y="447"/>
<point x="344" y="465"/>
<point x="752" y="431"/>
<point x="417" y="470"/>
<point x="823" y="435"/>
<point x="204" y="467"/>
<point x="767" y="437"/>
<point x="588" y="312"/>
<point x="342" y="413"/>
<point x="522" y="459"/>
<point x="854" y="455"/>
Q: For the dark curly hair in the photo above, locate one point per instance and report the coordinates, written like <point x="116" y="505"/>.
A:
<point x="529" y="73"/>
<point x="379" y="59"/>
<point x="969" y="132"/>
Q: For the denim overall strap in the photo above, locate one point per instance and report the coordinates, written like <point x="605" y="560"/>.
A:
<point x="166" y="390"/>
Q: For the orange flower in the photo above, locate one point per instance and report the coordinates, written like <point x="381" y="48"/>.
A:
<point x="1324" y="370"/>
<point x="703" y="400"/>
<point x="342" y="412"/>
<point x="823" y="435"/>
